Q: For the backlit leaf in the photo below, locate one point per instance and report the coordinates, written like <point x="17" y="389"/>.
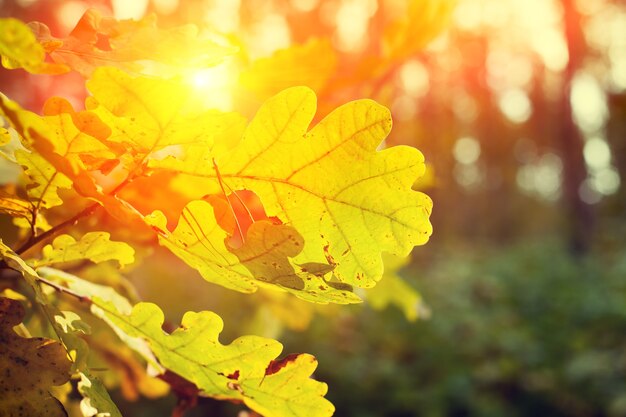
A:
<point x="94" y="246"/>
<point x="264" y="259"/>
<point x="30" y="368"/>
<point x="44" y="180"/>
<point x="75" y="144"/>
<point x="98" y="41"/>
<point x="96" y="400"/>
<point x="14" y="206"/>
<point x="20" y="49"/>
<point x="243" y="370"/>
<point x="150" y="115"/>
<point x="348" y="201"/>
<point x="15" y="262"/>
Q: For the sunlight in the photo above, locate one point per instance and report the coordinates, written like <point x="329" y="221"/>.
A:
<point x="214" y="85"/>
<point x="414" y="78"/>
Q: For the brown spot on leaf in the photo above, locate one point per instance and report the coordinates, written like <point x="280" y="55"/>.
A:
<point x="276" y="365"/>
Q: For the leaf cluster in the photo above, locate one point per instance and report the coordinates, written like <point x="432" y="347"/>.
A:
<point x="272" y="203"/>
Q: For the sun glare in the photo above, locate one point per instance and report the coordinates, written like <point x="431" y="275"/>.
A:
<point x="214" y="86"/>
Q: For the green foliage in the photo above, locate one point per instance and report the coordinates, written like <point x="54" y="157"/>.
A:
<point x="516" y="332"/>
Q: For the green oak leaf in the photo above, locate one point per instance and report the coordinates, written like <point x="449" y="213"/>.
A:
<point x="244" y="370"/>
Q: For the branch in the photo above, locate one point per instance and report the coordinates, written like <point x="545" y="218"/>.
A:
<point x="64" y="290"/>
<point x="34" y="240"/>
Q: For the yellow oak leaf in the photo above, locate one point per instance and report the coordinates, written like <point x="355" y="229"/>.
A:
<point x="155" y="118"/>
<point x="76" y="145"/>
<point x="14" y="206"/>
<point x="19" y="48"/>
<point x="44" y="180"/>
<point x="347" y="201"/>
<point x="94" y="246"/>
<point x="31" y="367"/>
<point x="265" y="259"/>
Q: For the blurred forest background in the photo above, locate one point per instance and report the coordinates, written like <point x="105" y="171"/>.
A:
<point x="520" y="109"/>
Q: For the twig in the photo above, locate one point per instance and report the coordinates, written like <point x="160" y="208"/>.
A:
<point x="60" y="288"/>
<point x="69" y="222"/>
<point x="56" y="229"/>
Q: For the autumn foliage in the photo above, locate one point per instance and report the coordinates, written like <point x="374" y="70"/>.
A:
<point x="295" y="200"/>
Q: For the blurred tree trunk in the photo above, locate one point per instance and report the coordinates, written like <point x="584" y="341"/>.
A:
<point x="616" y="134"/>
<point x="579" y="214"/>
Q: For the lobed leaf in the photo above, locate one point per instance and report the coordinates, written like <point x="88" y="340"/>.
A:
<point x="19" y="48"/>
<point x="266" y="258"/>
<point x="243" y="370"/>
<point x="44" y="180"/>
<point x="150" y="115"/>
<point x="14" y="206"/>
<point x="94" y="246"/>
<point x="98" y="41"/>
<point x="96" y="400"/>
<point x="348" y="201"/>
<point x="76" y="145"/>
<point x="30" y="368"/>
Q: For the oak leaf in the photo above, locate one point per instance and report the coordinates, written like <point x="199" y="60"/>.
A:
<point x="99" y="41"/>
<point x="30" y="368"/>
<point x="265" y="259"/>
<point x="75" y="144"/>
<point x="94" y="246"/>
<point x="14" y="206"/>
<point x="19" y="48"/>
<point x="150" y="115"/>
<point x="44" y="181"/>
<point x="96" y="400"/>
<point x="348" y="201"/>
<point x="237" y="371"/>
